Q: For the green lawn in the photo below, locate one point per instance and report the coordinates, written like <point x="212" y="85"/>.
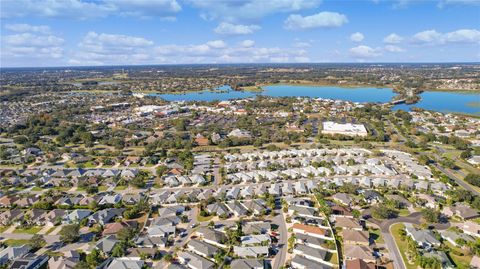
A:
<point x="3" y="228"/>
<point x="16" y="242"/>
<point x="402" y="244"/>
<point x="37" y="188"/>
<point x="403" y="212"/>
<point x="32" y="230"/>
<point x="120" y="188"/>
<point x="377" y="235"/>
<point x="102" y="188"/>
<point x="203" y="219"/>
<point x="459" y="256"/>
<point x="51" y="230"/>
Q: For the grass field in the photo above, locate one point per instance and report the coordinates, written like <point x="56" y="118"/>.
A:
<point x="203" y="219"/>
<point x="32" y="230"/>
<point x="459" y="256"/>
<point x="16" y="242"/>
<point x="402" y="244"/>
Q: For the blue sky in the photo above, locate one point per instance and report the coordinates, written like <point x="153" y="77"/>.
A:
<point x="119" y="32"/>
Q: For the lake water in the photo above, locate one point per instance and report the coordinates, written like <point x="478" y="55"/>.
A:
<point x="438" y="101"/>
<point x="381" y="95"/>
<point x="446" y="102"/>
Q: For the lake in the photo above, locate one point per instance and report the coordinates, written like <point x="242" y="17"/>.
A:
<point x="380" y="95"/>
<point x="460" y="102"/>
<point x="447" y="102"/>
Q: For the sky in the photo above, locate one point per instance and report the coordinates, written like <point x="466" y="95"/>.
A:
<point x="41" y="33"/>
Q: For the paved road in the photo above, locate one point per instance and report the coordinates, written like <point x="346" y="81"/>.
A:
<point x="281" y="256"/>
<point x="385" y="226"/>
<point x="458" y="180"/>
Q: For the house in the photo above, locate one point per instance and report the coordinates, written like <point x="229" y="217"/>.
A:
<point x="132" y="199"/>
<point x="151" y="242"/>
<point x="475" y="262"/>
<point x="237" y="133"/>
<point x="424" y="238"/>
<point x="201" y="248"/>
<point x="462" y="211"/>
<point x="110" y="199"/>
<point x="315" y="254"/>
<point x="116" y="227"/>
<point x="106" y="244"/>
<point x="255" y="239"/>
<point x="9" y="216"/>
<point x="359" y="264"/>
<point x="218" y="209"/>
<point x="237" y="208"/>
<point x="201" y="140"/>
<point x="352" y="252"/>
<point x="247" y="264"/>
<point x="470" y="228"/>
<point x="171" y="211"/>
<point x="212" y="236"/>
<point x="68" y="261"/>
<point x="256" y="227"/>
<point x="29" y="262"/>
<point x="342" y="198"/>
<point x="310" y="230"/>
<point x="139" y="253"/>
<point x="125" y="263"/>
<point x="348" y="223"/>
<point x="104" y="216"/>
<point x="252" y="251"/>
<point x="453" y="237"/>
<point x="194" y="261"/>
<point x="301" y="262"/>
<point x="442" y="257"/>
<point x="76" y="216"/>
<point x="257" y="206"/>
<point x="310" y="241"/>
<point x="355" y="237"/>
<point x="12" y="253"/>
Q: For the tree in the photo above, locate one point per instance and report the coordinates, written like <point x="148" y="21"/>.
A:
<point x="93" y="258"/>
<point x="118" y="250"/>
<point x="36" y="242"/>
<point x="431" y="215"/>
<point x="383" y="212"/>
<point x="69" y="233"/>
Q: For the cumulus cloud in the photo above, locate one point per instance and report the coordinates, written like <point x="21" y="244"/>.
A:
<point x="226" y="28"/>
<point x="323" y="19"/>
<point x="29" y="45"/>
<point x="393" y="39"/>
<point x="247" y="43"/>
<point x="302" y="44"/>
<point x="393" y="48"/>
<point x="239" y="10"/>
<point x="101" y="48"/>
<point x="217" y="44"/>
<point x="23" y="27"/>
<point x="364" y="52"/>
<point x="432" y="37"/>
<point x="84" y="9"/>
<point x="357" y="37"/>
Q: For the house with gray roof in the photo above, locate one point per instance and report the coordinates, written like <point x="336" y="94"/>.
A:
<point x="12" y="253"/>
<point x="201" y="248"/>
<point x="304" y="263"/>
<point x="106" y="244"/>
<point x="424" y="238"/>
<point x="77" y="216"/>
<point x="247" y="264"/>
<point x="310" y="253"/>
<point x="252" y="251"/>
<point x="125" y="263"/>
<point x="194" y="261"/>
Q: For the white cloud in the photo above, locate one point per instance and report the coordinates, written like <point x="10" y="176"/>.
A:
<point x="245" y="52"/>
<point x="217" y="44"/>
<point x="97" y="49"/>
<point x="458" y="2"/>
<point x="302" y="44"/>
<point x="239" y="10"/>
<point x="30" y="46"/>
<point x="463" y="36"/>
<point x="432" y="37"/>
<point x="226" y="28"/>
<point x="357" y="37"/>
<point x="247" y="43"/>
<point x="393" y="38"/>
<point x="29" y="39"/>
<point x="393" y="48"/>
<point x="364" y="52"/>
<point x="85" y="9"/>
<point x="323" y="19"/>
<point x="23" y="28"/>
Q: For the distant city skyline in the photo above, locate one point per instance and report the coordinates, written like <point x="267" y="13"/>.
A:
<point x="37" y="33"/>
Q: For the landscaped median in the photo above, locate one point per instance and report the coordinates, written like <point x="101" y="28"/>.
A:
<point x="395" y="230"/>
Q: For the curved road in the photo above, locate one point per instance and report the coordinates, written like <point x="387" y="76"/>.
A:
<point x="384" y="226"/>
